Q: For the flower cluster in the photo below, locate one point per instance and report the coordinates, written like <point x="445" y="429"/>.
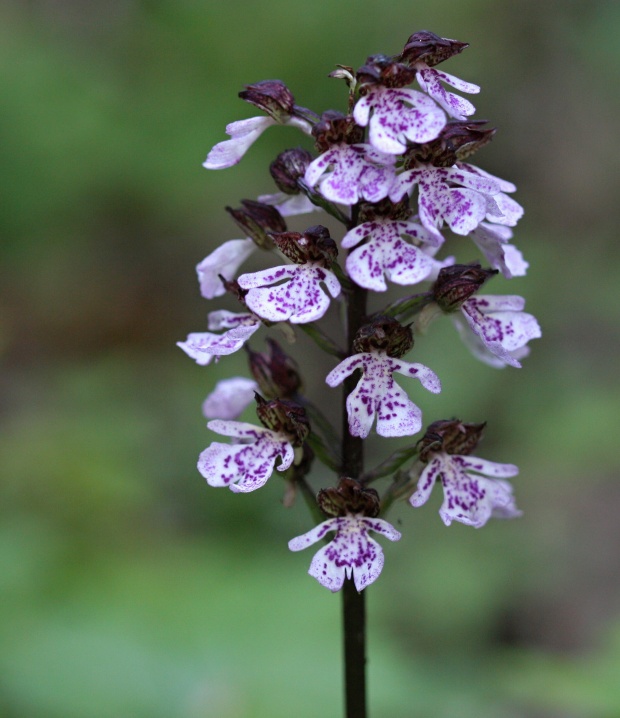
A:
<point x="394" y="171"/>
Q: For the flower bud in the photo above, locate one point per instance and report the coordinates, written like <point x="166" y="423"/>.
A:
<point x="427" y="47"/>
<point x="334" y="128"/>
<point x="457" y="283"/>
<point x="349" y="498"/>
<point x="275" y="372"/>
<point x="385" y="71"/>
<point x="271" y="96"/>
<point x="288" y="167"/>
<point x="257" y="219"/>
<point x="314" y="245"/>
<point x="450" y="436"/>
<point x="285" y="417"/>
<point x="384" y="334"/>
<point x="457" y="141"/>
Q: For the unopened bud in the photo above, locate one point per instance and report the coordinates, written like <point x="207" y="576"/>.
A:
<point x="288" y="167"/>
<point x="285" y="417"/>
<point x="457" y="283"/>
<point x="276" y="373"/>
<point x="384" y="334"/>
<point x="430" y="48"/>
<point x="314" y="245"/>
<point x="457" y="141"/>
<point x="271" y="96"/>
<point x="450" y="436"/>
<point x="257" y="220"/>
<point x="349" y="498"/>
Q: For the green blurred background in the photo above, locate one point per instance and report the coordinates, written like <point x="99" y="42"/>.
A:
<point x="129" y="588"/>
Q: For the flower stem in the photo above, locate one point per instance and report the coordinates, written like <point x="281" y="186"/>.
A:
<point x="353" y="603"/>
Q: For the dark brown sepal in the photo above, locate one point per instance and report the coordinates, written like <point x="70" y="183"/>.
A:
<point x="384" y="334"/>
<point x="457" y="141"/>
<point x="275" y="372"/>
<point x="232" y="287"/>
<point x="314" y="245"/>
<point x="427" y="47"/>
<point x="335" y="128"/>
<point x="271" y="96"/>
<point x="257" y="220"/>
<point x="450" y="436"/>
<point x="283" y="416"/>
<point x="349" y="498"/>
<point x="385" y="209"/>
<point x="457" y="283"/>
<point x="288" y="167"/>
<point x="385" y="71"/>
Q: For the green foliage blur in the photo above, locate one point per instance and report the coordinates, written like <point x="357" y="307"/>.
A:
<point x="128" y="587"/>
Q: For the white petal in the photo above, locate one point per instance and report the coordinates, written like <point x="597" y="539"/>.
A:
<point x="229" y="398"/>
<point x="243" y="134"/>
<point x="426" y="482"/>
<point x="224" y="260"/>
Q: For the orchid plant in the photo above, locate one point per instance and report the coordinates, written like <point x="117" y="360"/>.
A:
<point x="392" y="171"/>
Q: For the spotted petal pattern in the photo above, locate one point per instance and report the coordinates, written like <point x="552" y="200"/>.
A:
<point x="224" y="260"/>
<point x="377" y="394"/>
<point x="398" y="115"/>
<point x="501" y="330"/>
<point x="462" y="208"/>
<point x="204" y="346"/>
<point x="386" y="254"/>
<point x="501" y="208"/>
<point x="246" y="466"/>
<point x="299" y="298"/>
<point x="430" y="80"/>
<point x="468" y="498"/>
<point x="351" y="553"/>
<point x="492" y="240"/>
<point x="357" y="172"/>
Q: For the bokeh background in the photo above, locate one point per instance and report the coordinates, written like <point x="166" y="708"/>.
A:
<point x="131" y="588"/>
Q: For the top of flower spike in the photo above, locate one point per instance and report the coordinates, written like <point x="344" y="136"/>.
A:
<point x="427" y="47"/>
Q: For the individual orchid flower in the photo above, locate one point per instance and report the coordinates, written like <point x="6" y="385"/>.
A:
<point x="352" y="172"/>
<point x="222" y="262"/>
<point x="386" y="254"/>
<point x="377" y="394"/>
<point x="244" y="466"/>
<point x="353" y="509"/>
<point x="462" y="208"/>
<point x="229" y="398"/>
<point x="273" y="97"/>
<point x="496" y="329"/>
<point x="351" y="553"/>
<point x="474" y="489"/>
<point x="396" y="116"/>
<point x="204" y="346"/>
<point x="298" y="294"/>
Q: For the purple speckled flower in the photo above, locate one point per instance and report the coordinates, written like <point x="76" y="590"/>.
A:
<point x="243" y="134"/>
<point x="351" y="553"/>
<point x="229" y="398"/>
<point x="501" y="208"/>
<point x="204" y="346"/>
<point x="495" y="328"/>
<point x="492" y="240"/>
<point x="386" y="254"/>
<point x="224" y="260"/>
<point x="378" y="394"/>
<point x="469" y="498"/>
<point x="398" y="115"/>
<point x="357" y="172"/>
<point x="246" y="466"/>
<point x="430" y="80"/>
<point x="299" y="298"/>
<point x="462" y="208"/>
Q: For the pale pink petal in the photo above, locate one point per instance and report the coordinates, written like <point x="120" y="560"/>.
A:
<point x="243" y="134"/>
<point x="224" y="260"/>
<point x="426" y="482"/>
<point x="229" y="398"/>
<point x="430" y="80"/>
<point x="289" y="205"/>
<point x="344" y="369"/>
<point x="488" y="468"/>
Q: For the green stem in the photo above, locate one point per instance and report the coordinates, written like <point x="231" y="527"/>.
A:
<point x="321" y="339"/>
